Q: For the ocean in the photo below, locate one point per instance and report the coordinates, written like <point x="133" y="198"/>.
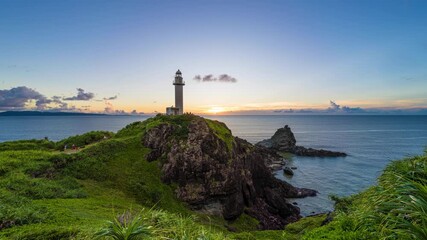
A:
<point x="371" y="142"/>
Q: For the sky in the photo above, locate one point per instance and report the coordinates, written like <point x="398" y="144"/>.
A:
<point x="237" y="57"/>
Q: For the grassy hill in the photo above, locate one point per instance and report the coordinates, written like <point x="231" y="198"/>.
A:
<point x="48" y="193"/>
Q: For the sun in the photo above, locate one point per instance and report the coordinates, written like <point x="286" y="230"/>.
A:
<point x="215" y="110"/>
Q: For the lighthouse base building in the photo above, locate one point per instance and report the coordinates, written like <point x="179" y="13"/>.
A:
<point x="172" y="111"/>
<point x="179" y="95"/>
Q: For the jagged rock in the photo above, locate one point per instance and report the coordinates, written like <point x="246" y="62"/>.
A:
<point x="288" y="171"/>
<point x="216" y="177"/>
<point x="284" y="140"/>
<point x="230" y="228"/>
<point x="273" y="160"/>
<point x="310" y="152"/>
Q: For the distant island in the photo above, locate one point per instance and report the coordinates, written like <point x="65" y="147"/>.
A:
<point x="43" y="113"/>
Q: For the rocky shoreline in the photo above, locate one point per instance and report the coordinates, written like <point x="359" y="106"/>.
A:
<point x="284" y="141"/>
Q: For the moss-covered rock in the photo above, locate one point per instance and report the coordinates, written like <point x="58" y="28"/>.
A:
<point x="218" y="173"/>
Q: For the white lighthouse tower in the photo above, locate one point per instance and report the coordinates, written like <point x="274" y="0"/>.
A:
<point x="179" y="95"/>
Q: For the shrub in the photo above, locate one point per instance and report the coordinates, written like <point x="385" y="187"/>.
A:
<point x="125" y="227"/>
<point x="132" y="129"/>
<point x="27" y="145"/>
<point x="17" y="210"/>
<point x="84" y="139"/>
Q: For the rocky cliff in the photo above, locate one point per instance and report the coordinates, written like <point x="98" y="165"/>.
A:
<point x="220" y="174"/>
<point x="284" y="140"/>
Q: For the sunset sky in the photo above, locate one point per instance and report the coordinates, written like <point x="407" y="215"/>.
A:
<point x="276" y="55"/>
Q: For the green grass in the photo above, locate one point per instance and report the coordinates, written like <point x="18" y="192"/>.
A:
<point x="222" y="132"/>
<point x="79" y="217"/>
<point x="293" y="231"/>
<point x="181" y="123"/>
<point x="47" y="194"/>
<point x="396" y="208"/>
<point x="84" y="139"/>
<point x="244" y="223"/>
<point x="298" y="229"/>
<point x="121" y="164"/>
<point x="78" y="140"/>
<point x="27" y="145"/>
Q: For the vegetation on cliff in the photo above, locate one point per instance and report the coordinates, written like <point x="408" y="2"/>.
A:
<point x="222" y="132"/>
<point x="46" y="193"/>
<point x="396" y="208"/>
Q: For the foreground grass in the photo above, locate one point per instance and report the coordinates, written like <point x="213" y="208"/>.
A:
<point x="47" y="194"/>
<point x="394" y="209"/>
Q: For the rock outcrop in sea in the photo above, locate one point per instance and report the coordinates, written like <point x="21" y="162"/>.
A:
<point x="217" y="173"/>
<point x="284" y="140"/>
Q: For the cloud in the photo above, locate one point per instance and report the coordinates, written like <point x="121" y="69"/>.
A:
<point x="110" y="98"/>
<point x="134" y="112"/>
<point x="81" y="96"/>
<point x="226" y="78"/>
<point x="42" y="103"/>
<point x="334" y="107"/>
<point x="19" y="97"/>
<point x="209" y="78"/>
<point x="120" y="112"/>
<point x="24" y="98"/>
<point x="60" y="105"/>
<point x="212" y="78"/>
<point x="353" y="110"/>
<point x="108" y="108"/>
<point x="56" y="98"/>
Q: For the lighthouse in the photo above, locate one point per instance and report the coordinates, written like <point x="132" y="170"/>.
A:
<point x="179" y="95"/>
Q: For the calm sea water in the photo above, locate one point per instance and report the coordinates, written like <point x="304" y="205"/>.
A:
<point x="370" y="141"/>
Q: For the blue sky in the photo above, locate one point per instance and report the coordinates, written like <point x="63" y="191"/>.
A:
<point x="284" y="54"/>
